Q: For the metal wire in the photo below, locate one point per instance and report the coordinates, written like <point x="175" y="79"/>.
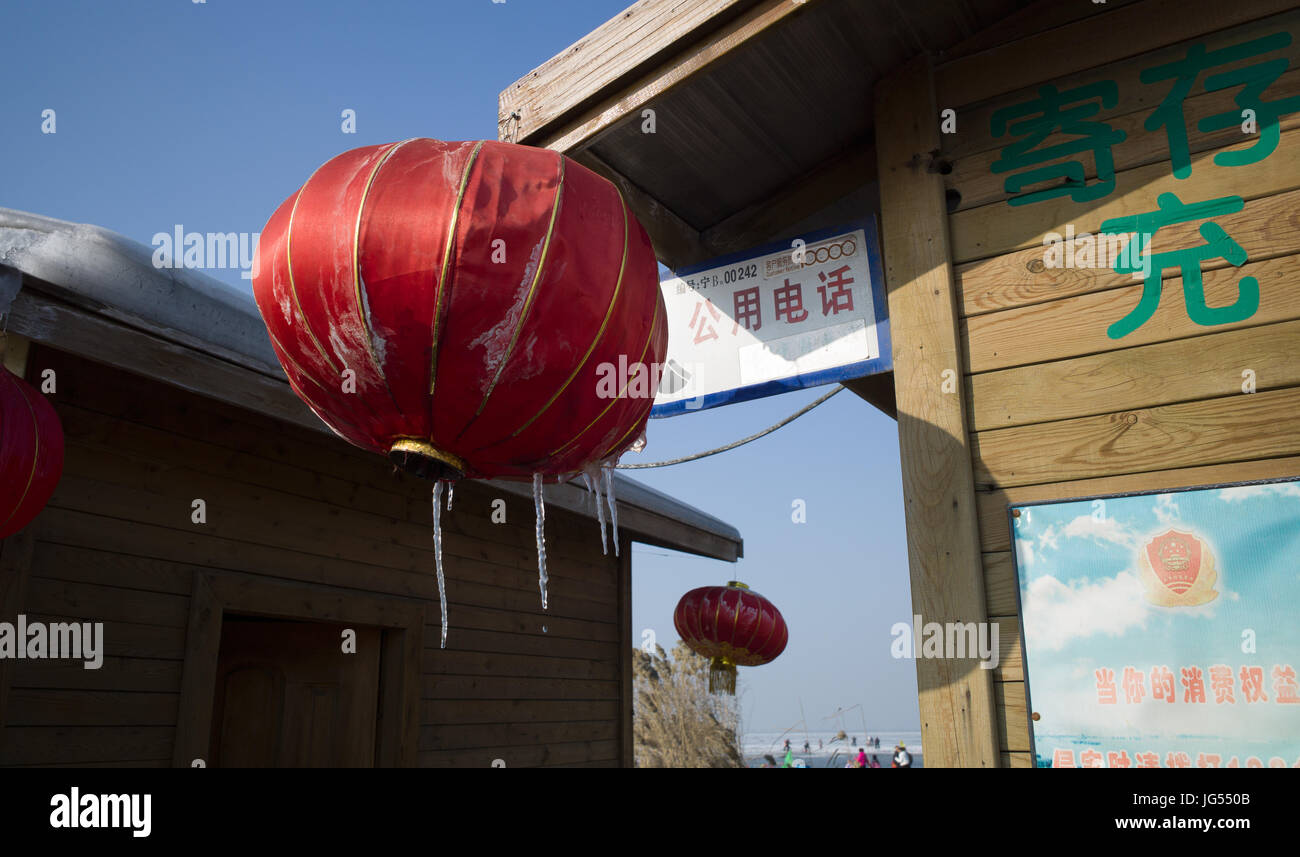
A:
<point x="741" y="442"/>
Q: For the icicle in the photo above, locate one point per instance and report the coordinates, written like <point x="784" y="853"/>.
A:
<point x="539" y="504"/>
<point x="594" y="485"/>
<point x="613" y="507"/>
<point x="437" y="556"/>
<point x="451" y="492"/>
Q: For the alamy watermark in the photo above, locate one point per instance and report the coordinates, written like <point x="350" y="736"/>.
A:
<point x="131" y="811"/>
<point x="55" y="640"/>
<point x="637" y="380"/>
<point x="1122" y="252"/>
<point x="953" y="640"/>
<point x="206" y="250"/>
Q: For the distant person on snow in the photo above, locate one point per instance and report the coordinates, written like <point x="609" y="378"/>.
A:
<point x="902" y="758"/>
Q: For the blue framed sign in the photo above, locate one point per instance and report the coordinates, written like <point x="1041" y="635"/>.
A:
<point x="781" y="317"/>
<point x="1159" y="629"/>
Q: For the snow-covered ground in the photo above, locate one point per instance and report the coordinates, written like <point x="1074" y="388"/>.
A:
<point x="834" y="753"/>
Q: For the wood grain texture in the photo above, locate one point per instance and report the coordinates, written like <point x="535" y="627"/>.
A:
<point x="626" y="683"/>
<point x="993" y="504"/>
<point x="602" y="111"/>
<point x="645" y="31"/>
<point x="974" y="121"/>
<point x="998" y="228"/>
<point x="974" y="179"/>
<point x="1265" y="228"/>
<point x="1077" y="326"/>
<point x="1001" y="589"/>
<point x="1017" y="760"/>
<point x="956" y="697"/>
<point x="1026" y="22"/>
<point x="1109" y="36"/>
<point x="1216" y="431"/>
<point x="1013" y="716"/>
<point x="1011" y="665"/>
<point x="1183" y="370"/>
<point x="298" y="526"/>
<point x="15" y="569"/>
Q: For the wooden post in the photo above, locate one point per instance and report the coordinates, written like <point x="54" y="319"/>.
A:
<point x="958" y="727"/>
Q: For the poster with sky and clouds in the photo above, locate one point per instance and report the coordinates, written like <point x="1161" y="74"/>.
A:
<point x="1161" y="630"/>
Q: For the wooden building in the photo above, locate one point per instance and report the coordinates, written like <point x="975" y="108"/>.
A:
<point x="227" y="540"/>
<point x="732" y="123"/>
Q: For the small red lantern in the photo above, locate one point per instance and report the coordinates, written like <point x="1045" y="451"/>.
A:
<point x="451" y="306"/>
<point x="31" y="453"/>
<point x="732" y="625"/>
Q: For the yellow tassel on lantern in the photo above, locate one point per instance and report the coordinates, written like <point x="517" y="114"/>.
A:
<point x="722" y="676"/>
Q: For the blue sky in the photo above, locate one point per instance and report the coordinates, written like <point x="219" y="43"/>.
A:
<point x="210" y="114"/>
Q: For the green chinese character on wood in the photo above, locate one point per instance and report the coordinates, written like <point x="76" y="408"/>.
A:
<point x="1066" y="113"/>
<point x="1219" y="245"/>
<point x="1253" y="79"/>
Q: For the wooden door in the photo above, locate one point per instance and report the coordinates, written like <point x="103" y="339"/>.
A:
<point x="288" y="696"/>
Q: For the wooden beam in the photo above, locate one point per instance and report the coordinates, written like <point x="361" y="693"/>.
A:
<point x="877" y="390"/>
<point x="603" y="111"/>
<point x="775" y="216"/>
<point x="1026" y="23"/>
<point x="198" y="681"/>
<point x="14" y="349"/>
<point x="642" y="34"/>
<point x="958" y="726"/>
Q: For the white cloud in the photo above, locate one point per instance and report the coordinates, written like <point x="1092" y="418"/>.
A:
<point x="1166" y="509"/>
<point x="1025" y="553"/>
<point x="1237" y="493"/>
<point x="1057" y="612"/>
<point x="1048" y="538"/>
<point x="1103" y="529"/>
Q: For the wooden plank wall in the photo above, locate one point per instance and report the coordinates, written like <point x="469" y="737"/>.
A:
<point x="116" y="544"/>
<point x="1057" y="408"/>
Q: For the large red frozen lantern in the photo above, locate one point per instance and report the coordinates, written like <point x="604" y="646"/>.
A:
<point x="454" y="305"/>
<point x="31" y="453"/>
<point x="462" y="308"/>
<point x="732" y="625"/>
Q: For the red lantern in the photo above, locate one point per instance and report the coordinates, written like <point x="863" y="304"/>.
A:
<point x="31" y="453"/>
<point x="454" y="305"/>
<point x="732" y="625"/>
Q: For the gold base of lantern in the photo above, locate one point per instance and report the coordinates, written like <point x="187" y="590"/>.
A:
<point x="722" y="676"/>
<point x="420" y="458"/>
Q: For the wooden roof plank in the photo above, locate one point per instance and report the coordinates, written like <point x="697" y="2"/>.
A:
<point x="606" y="111"/>
<point x="636" y="36"/>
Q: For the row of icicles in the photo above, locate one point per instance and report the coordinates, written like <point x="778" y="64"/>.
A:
<point x="593" y="476"/>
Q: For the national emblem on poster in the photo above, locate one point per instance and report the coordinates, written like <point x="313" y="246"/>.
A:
<point x="1177" y="570"/>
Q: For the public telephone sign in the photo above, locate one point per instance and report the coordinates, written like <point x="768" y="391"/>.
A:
<point x="783" y="317"/>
